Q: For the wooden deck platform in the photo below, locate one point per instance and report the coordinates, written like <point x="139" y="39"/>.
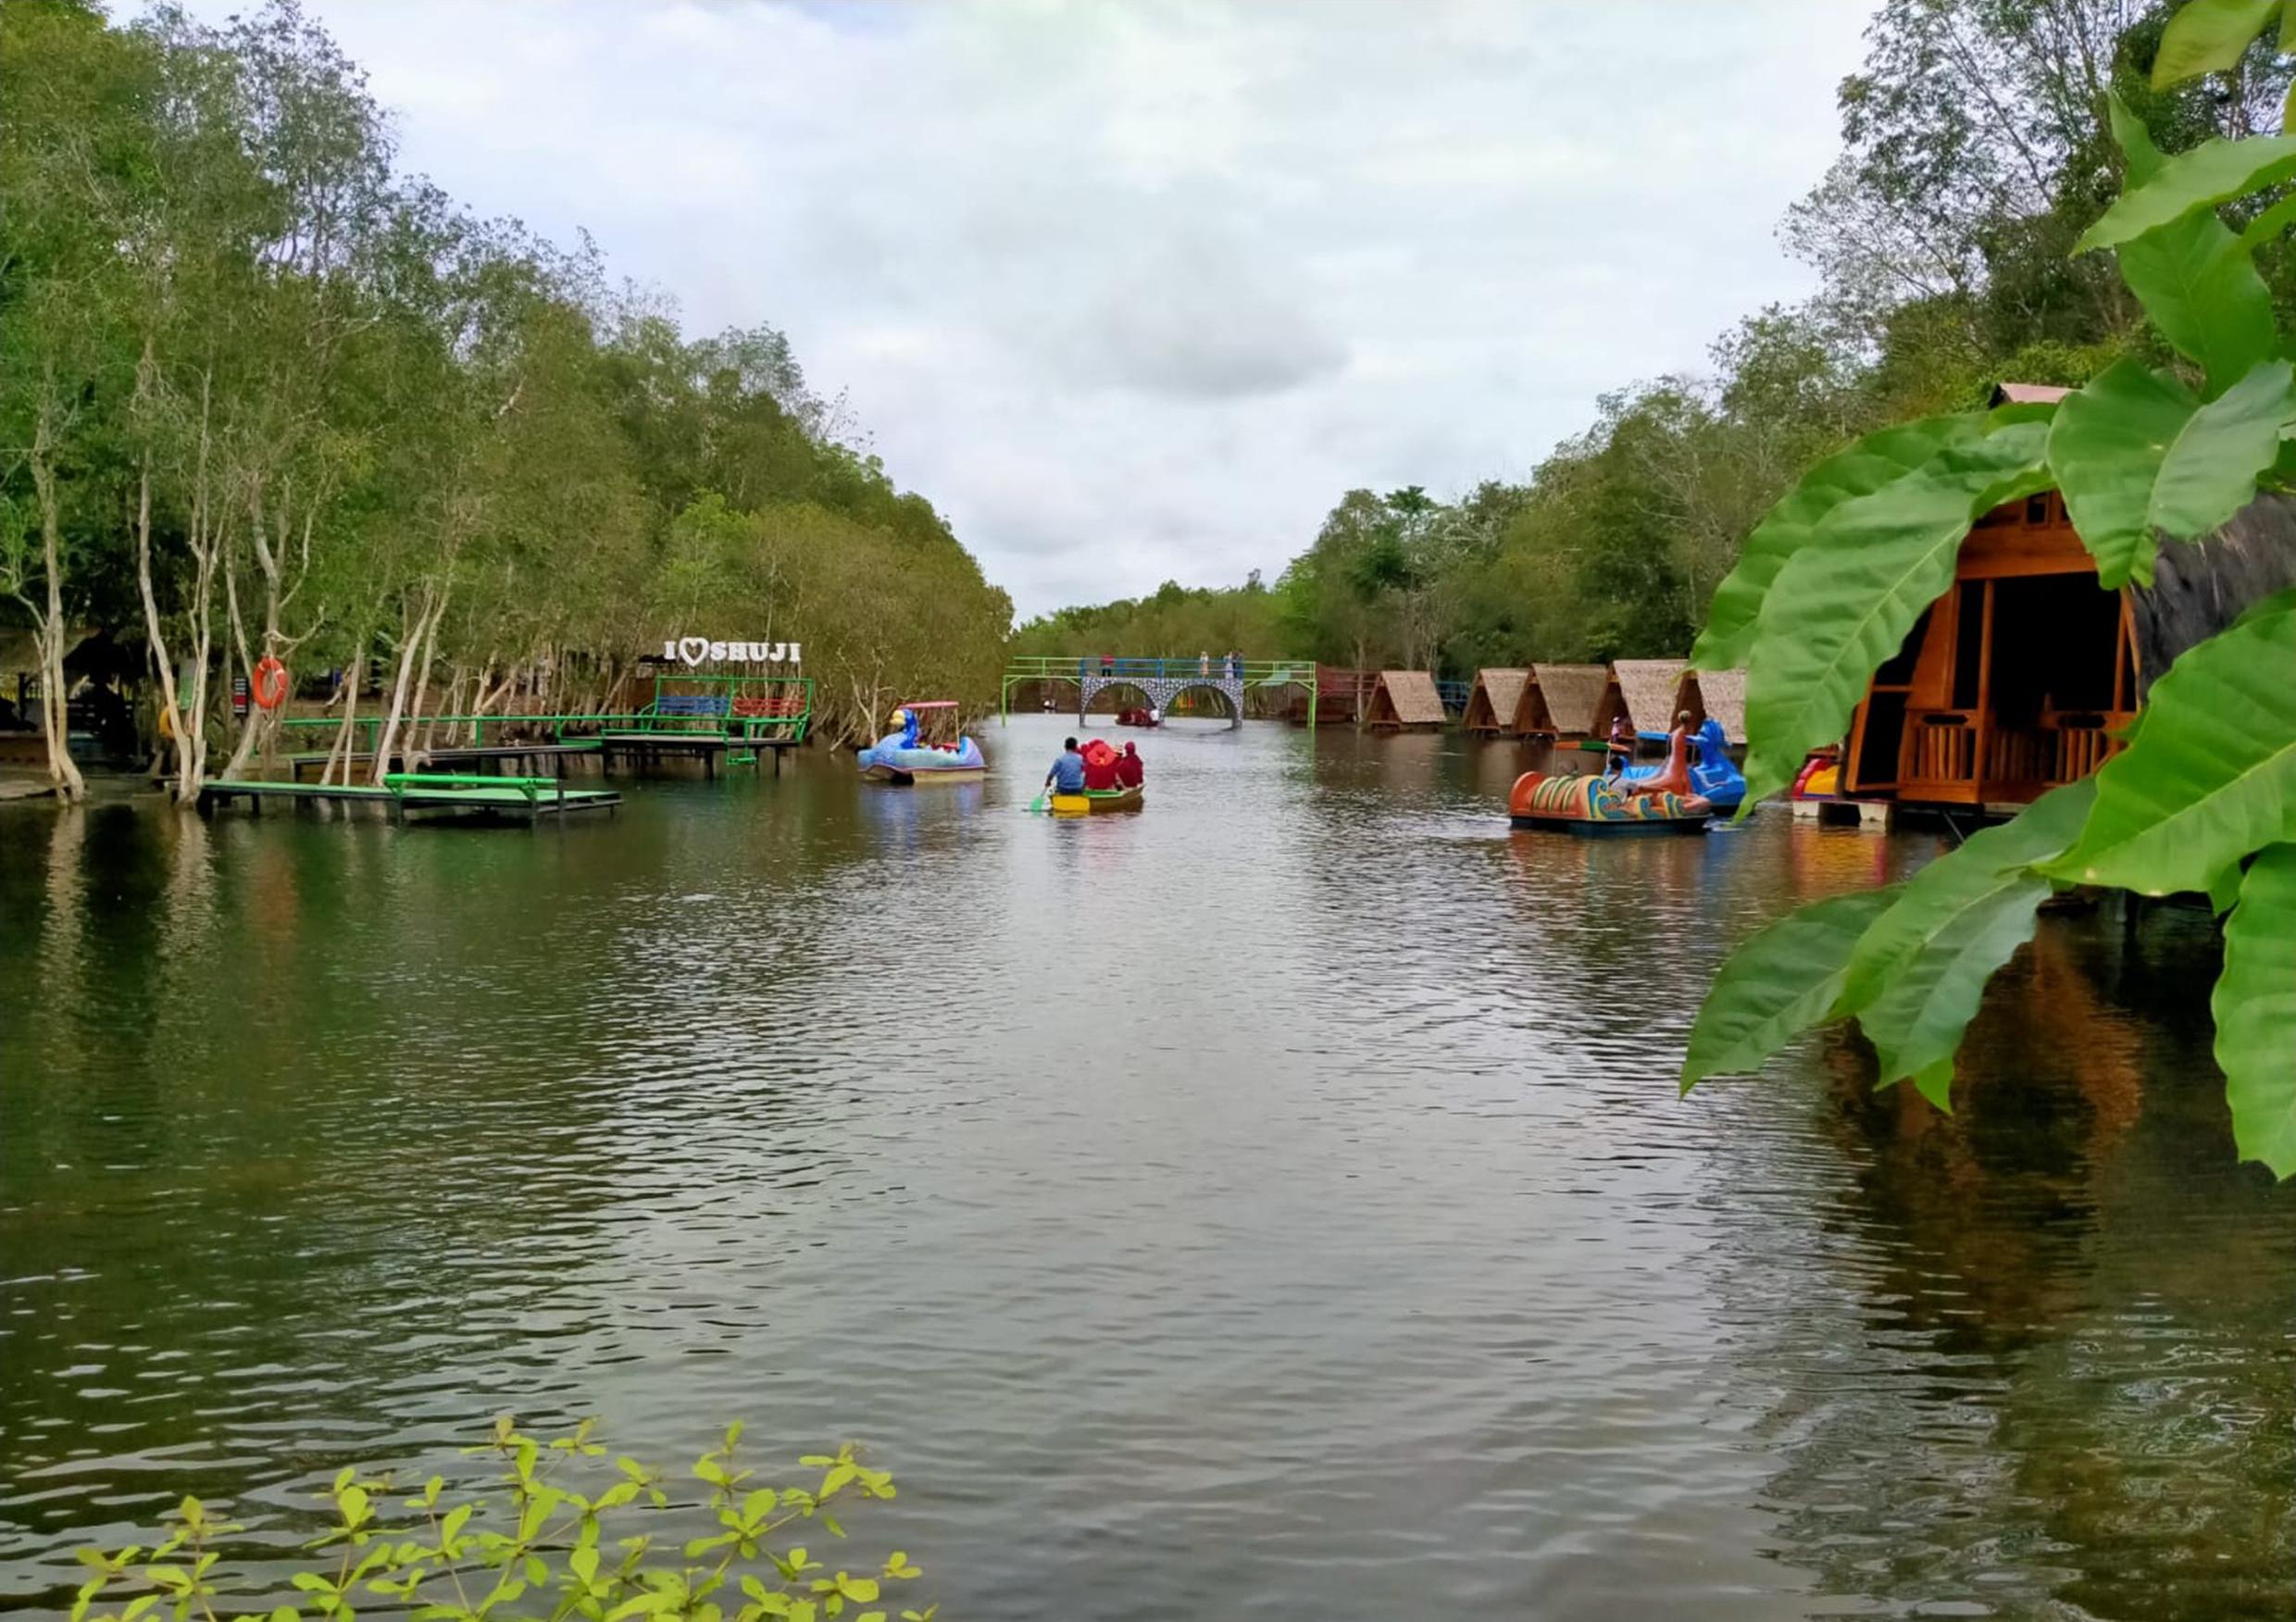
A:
<point x="531" y="756"/>
<point x="644" y="748"/>
<point x="512" y="801"/>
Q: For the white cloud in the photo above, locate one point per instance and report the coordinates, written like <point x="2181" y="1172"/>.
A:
<point x="1134" y="288"/>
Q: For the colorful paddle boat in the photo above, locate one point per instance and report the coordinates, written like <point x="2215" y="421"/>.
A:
<point x="1577" y="802"/>
<point x="1714" y="776"/>
<point x="908" y="757"/>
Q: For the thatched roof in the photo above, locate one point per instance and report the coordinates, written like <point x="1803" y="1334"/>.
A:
<point x="2200" y="587"/>
<point x="1719" y="693"/>
<point x="1571" y="693"/>
<point x="2027" y="394"/>
<point x="1646" y="689"/>
<point x="1406" y="698"/>
<point x="1497" y="695"/>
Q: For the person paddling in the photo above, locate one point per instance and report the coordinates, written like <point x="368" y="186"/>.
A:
<point x="1068" y="774"/>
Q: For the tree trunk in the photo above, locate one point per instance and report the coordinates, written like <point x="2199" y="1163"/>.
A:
<point x="426" y="618"/>
<point x="54" y="709"/>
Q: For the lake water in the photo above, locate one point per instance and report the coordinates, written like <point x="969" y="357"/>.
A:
<point x="1275" y="1203"/>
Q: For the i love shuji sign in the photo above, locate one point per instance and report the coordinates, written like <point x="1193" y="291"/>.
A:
<point x="701" y="650"/>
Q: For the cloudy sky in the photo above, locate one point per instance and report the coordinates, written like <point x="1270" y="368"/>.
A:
<point x="1134" y="289"/>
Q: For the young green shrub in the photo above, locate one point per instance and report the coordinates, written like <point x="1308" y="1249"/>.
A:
<point x="538" y="1551"/>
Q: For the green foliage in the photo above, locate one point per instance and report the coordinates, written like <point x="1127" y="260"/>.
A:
<point x="2198" y="281"/>
<point x="543" y="1547"/>
<point x="2212" y="775"/>
<point x="1780" y="983"/>
<point x="1845" y="602"/>
<point x="2255" y="1009"/>
<point x="2207" y="782"/>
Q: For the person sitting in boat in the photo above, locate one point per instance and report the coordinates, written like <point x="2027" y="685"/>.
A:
<point x="1100" y="772"/>
<point x="1620" y="753"/>
<point x="1068" y="774"/>
<point x="1131" y="771"/>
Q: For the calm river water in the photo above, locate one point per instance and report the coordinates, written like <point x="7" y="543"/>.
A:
<point x="1276" y="1204"/>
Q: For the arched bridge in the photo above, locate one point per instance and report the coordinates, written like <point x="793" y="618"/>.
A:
<point x="1158" y="680"/>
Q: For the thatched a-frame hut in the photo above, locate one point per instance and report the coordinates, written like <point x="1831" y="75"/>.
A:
<point x="1404" y="699"/>
<point x="1642" y="691"/>
<point x="1492" y="702"/>
<point x="2018" y="679"/>
<point x="1560" y="701"/>
<point x="1719" y="693"/>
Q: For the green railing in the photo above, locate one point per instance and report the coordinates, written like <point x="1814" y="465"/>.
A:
<point x="782" y="721"/>
<point x="531" y="788"/>
<point x="1253" y="673"/>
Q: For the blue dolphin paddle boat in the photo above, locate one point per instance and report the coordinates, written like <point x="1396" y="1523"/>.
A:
<point x="906" y="757"/>
<point x="1714" y="777"/>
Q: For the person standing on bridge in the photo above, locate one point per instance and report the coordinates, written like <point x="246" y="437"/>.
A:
<point x="1203" y="662"/>
<point x="1068" y="774"/>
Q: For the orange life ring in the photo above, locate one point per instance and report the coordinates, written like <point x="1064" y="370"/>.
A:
<point x="269" y="685"/>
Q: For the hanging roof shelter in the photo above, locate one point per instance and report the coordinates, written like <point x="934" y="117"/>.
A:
<point x="1560" y="701"/>
<point x="1404" y="698"/>
<point x="2021" y="675"/>
<point x="1642" y="691"/>
<point x="1719" y="693"/>
<point x="1492" y="702"/>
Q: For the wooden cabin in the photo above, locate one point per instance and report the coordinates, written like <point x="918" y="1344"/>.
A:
<point x="1719" y="693"/>
<point x="1642" y="691"/>
<point x="1492" y="702"/>
<point x="1559" y="701"/>
<point x="2016" y="679"/>
<point x="1405" y="700"/>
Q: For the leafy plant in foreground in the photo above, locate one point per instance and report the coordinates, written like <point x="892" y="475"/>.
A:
<point x="542" y="1551"/>
<point x="2203" y="797"/>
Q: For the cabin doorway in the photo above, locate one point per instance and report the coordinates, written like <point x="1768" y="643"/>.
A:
<point x="2009" y="685"/>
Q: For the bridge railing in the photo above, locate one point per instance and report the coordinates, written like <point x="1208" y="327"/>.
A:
<point x="1211" y="667"/>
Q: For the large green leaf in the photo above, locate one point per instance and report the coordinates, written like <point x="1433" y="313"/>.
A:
<point x="2211" y="173"/>
<point x="1917" y="975"/>
<point x="2210" y="473"/>
<point x="2255" y="1009"/>
<point x="2208" y="37"/>
<point x="1879" y="459"/>
<point x="2105" y="450"/>
<point x="1777" y="985"/>
<point x="2195" y="279"/>
<point x="2211" y="776"/>
<point x="1844" y="601"/>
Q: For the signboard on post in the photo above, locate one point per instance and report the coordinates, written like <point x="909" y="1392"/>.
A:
<point x="702" y="650"/>
<point x="238" y="697"/>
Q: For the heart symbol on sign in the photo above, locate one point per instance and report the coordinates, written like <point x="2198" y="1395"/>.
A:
<point x="693" y="649"/>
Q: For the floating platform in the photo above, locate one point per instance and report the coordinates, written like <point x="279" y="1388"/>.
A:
<point x="1875" y="813"/>
<point x="421" y="796"/>
<point x="532" y="756"/>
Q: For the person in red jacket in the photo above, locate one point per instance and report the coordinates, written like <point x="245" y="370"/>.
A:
<point x="1131" y="771"/>
<point x="1100" y="772"/>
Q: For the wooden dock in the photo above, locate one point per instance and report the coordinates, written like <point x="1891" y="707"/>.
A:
<point x="644" y="748"/>
<point x="532" y="758"/>
<point x="421" y="796"/>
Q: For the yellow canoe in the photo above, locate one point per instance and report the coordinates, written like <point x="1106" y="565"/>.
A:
<point x="1093" y="800"/>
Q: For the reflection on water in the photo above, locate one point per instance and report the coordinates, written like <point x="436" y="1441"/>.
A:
<point x="1276" y="1203"/>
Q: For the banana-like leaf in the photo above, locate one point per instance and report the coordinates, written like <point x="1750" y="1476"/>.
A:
<point x="2211" y="173"/>
<point x="1879" y="459"/>
<point x="1845" y="601"/>
<point x="2105" y="450"/>
<point x="2211" y="472"/>
<point x="2195" y="279"/>
<point x="1918" y="973"/>
<point x="2208" y="37"/>
<point x="2211" y="776"/>
<point x="2256" y="1010"/>
<point x="1778" y="984"/>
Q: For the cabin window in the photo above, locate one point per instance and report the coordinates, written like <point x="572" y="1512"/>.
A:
<point x="1969" y="646"/>
<point x="2054" y="650"/>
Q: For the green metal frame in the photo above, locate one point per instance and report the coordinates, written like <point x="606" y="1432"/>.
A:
<point x="1073" y="668"/>
<point x="731" y="728"/>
